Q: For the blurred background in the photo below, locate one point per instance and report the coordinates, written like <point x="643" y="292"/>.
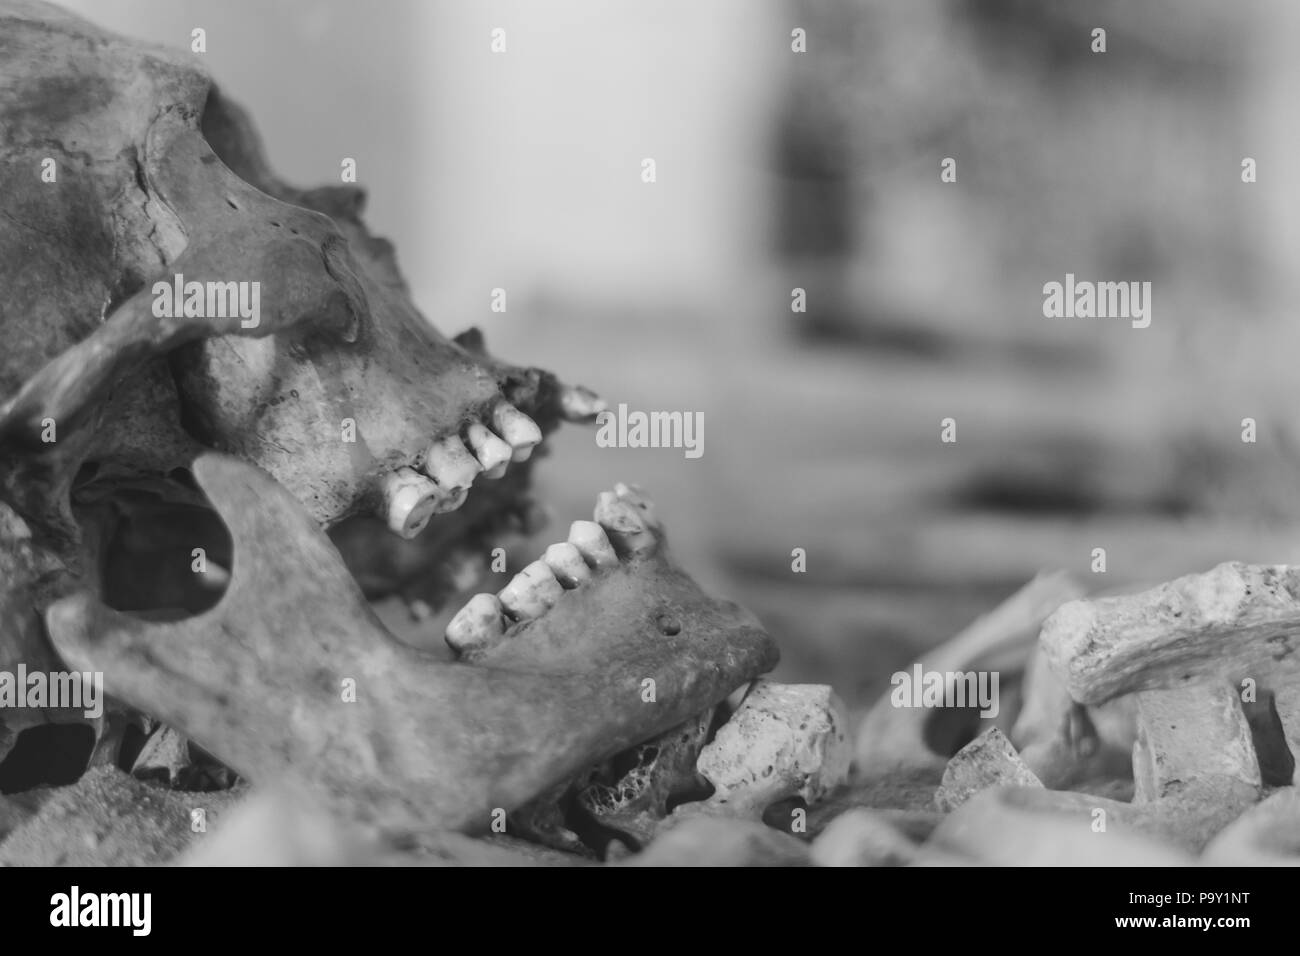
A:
<point x="820" y="170"/>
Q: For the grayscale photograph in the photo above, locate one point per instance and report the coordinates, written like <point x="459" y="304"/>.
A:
<point x="597" y="434"/>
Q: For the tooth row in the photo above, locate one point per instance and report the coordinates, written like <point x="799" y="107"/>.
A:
<point x="410" y="499"/>
<point x="535" y="589"/>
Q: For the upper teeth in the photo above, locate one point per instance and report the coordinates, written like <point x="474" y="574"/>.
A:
<point x="493" y="454"/>
<point x="578" y="404"/>
<point x="410" y="500"/>
<point x="519" y="431"/>
<point x="449" y="463"/>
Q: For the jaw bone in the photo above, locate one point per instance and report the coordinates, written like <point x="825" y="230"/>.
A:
<point x="291" y="675"/>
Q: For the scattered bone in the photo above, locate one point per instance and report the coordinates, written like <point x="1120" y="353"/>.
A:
<point x="625" y="524"/>
<point x="986" y="762"/>
<point x="579" y="404"/>
<point x="492" y="453"/>
<point x="1053" y="734"/>
<point x="706" y="841"/>
<point x="1268" y="834"/>
<point x="590" y="538"/>
<point x="1029" y="826"/>
<point x="893" y="737"/>
<point x="567" y="564"/>
<point x="1188" y="734"/>
<point x="517" y="430"/>
<point x="637" y="802"/>
<point x="409" y="500"/>
<point x="107" y="818"/>
<point x="1286" y="701"/>
<point x="451" y="466"/>
<point x="531" y="592"/>
<point x="1233" y="621"/>
<point x="166" y="755"/>
<point x="863" y="837"/>
<point x="785" y="740"/>
<point x="479" y="624"/>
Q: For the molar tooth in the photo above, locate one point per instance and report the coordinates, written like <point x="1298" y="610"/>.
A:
<point x="566" y="561"/>
<point x="409" y="500"/>
<point x="625" y="524"/>
<point x="519" y="431"/>
<point x="590" y="539"/>
<point x="492" y="453"/>
<point x="449" y="463"/>
<point x="579" y="404"/>
<point x="531" y="592"/>
<point x="476" y="625"/>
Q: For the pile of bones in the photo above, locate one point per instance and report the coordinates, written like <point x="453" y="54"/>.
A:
<point x="205" y="510"/>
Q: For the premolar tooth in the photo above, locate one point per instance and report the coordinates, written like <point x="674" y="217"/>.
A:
<point x="519" y="431"/>
<point x="579" y="404"/>
<point x="531" y="592"/>
<point x="590" y="539"/>
<point x="625" y="523"/>
<point x="409" y="500"/>
<point x="449" y="463"/>
<point x="492" y="453"/>
<point x="478" y="624"/>
<point x="566" y="561"/>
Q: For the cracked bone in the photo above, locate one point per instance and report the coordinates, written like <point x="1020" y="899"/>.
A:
<point x="1234" y="621"/>
<point x="636" y="803"/>
<point x="590" y="539"/>
<point x="785" y="740"/>
<point x="567" y="564"/>
<point x="531" y="592"/>
<point x="1267" y="834"/>
<point x="1188" y="735"/>
<point x="987" y="761"/>
<point x="422" y="743"/>
<point x="492" y="453"/>
<point x="517" y="430"/>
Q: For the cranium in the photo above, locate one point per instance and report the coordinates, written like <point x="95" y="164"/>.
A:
<point x="205" y="371"/>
